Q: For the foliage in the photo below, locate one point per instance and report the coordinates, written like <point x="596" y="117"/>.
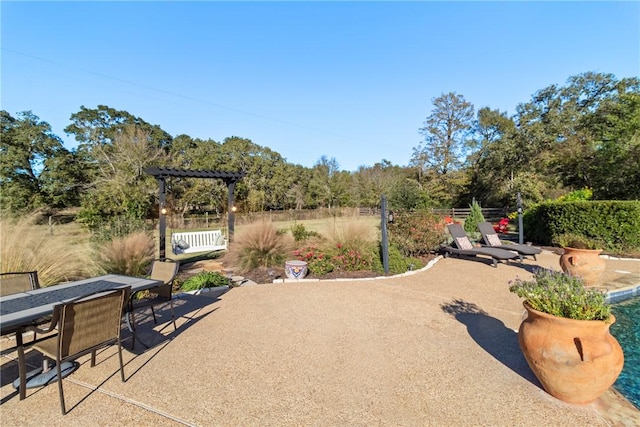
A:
<point x="206" y="279"/>
<point x="398" y="263"/>
<point x="349" y="257"/>
<point x="409" y="194"/>
<point x="58" y="255"/>
<point x="584" y="133"/>
<point x="36" y="171"/>
<point x="300" y="233"/>
<point x="118" y="166"/>
<point x="576" y="195"/>
<point x="100" y="126"/>
<point x="474" y="218"/>
<point x="129" y="255"/>
<point x="614" y="223"/>
<point x="559" y="294"/>
<point x="318" y="262"/>
<point x="615" y="128"/>
<point x="576" y="241"/>
<point x="259" y="245"/>
<point x="117" y="227"/>
<point x="439" y="158"/>
<point x="445" y="132"/>
<point x="416" y="233"/>
<point x="351" y="246"/>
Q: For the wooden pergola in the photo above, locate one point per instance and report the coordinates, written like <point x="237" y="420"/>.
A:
<point x="161" y="174"/>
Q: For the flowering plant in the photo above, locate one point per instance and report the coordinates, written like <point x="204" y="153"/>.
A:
<point x="559" y="294"/>
<point x="351" y="259"/>
<point x="318" y="262"/>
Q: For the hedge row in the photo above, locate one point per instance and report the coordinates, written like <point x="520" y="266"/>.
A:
<point x="615" y="223"/>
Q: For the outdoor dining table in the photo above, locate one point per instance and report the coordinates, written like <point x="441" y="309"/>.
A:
<point x="19" y="310"/>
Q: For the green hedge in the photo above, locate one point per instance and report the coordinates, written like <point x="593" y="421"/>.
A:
<point x="615" y="223"/>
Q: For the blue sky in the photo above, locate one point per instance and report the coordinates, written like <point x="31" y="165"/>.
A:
<point x="349" y="80"/>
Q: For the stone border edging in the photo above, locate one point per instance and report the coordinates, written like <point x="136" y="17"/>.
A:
<point x="407" y="273"/>
<point x="202" y="291"/>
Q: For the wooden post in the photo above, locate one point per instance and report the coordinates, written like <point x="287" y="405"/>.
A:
<point x="162" y="215"/>
<point x="230" y="209"/>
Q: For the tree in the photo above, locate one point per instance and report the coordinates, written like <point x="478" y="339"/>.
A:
<point x="328" y="184"/>
<point x="185" y="194"/>
<point x="266" y="183"/>
<point x="564" y="138"/>
<point x="445" y="132"/>
<point x="440" y="156"/>
<point x="488" y="163"/>
<point x="121" y="188"/>
<point x="35" y="169"/>
<point x="100" y="126"/>
<point x="370" y="182"/>
<point x="616" y="165"/>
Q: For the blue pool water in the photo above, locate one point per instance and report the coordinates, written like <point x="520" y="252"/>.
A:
<point x="627" y="332"/>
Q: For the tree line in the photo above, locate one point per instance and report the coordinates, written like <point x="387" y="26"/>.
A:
<point x="583" y="134"/>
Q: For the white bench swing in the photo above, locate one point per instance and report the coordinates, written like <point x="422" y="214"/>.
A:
<point x="198" y="241"/>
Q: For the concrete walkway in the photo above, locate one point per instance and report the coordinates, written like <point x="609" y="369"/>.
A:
<point x="437" y="347"/>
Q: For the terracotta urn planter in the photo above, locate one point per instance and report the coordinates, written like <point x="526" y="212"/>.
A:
<point x="574" y="360"/>
<point x="584" y="263"/>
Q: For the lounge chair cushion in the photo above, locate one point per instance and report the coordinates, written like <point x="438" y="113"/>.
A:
<point x="493" y="240"/>
<point x="464" y="243"/>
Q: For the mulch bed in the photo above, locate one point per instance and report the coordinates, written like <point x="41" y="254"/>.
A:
<point x="268" y="275"/>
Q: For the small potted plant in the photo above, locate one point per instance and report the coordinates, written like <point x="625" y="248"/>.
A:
<point x="565" y="337"/>
<point x="581" y="257"/>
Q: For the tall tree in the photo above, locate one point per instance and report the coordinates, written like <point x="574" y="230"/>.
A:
<point x="100" y="125"/>
<point x="31" y="156"/>
<point x="615" y="127"/>
<point x="120" y="187"/>
<point x="264" y="186"/>
<point x="445" y="134"/>
<point x="440" y="156"/>
<point x="328" y="184"/>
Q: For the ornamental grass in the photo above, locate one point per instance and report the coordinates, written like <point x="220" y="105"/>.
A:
<point x="259" y="245"/>
<point x="130" y="255"/>
<point x="59" y="254"/>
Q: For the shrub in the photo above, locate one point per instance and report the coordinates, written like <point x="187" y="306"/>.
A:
<point x="130" y="255"/>
<point x="473" y="219"/>
<point x="58" y="257"/>
<point x="562" y="295"/>
<point x="352" y="247"/>
<point x="206" y="279"/>
<point x="570" y="240"/>
<point x="300" y="233"/>
<point x="416" y="233"/>
<point x="350" y="258"/>
<point x="399" y="264"/>
<point x="117" y="227"/>
<point x="583" y="194"/>
<point x="615" y="223"/>
<point x="259" y="245"/>
<point x="318" y="262"/>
